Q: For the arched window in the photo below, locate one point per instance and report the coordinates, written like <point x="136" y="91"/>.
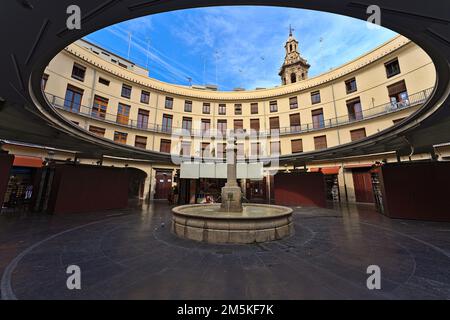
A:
<point x="293" y="78"/>
<point x="291" y="48"/>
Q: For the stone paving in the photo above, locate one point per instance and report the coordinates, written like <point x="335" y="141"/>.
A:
<point x="131" y="254"/>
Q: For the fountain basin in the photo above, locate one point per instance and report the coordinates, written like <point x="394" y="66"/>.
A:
<point x="257" y="223"/>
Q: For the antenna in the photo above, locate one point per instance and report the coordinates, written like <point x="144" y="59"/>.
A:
<point x="190" y="81"/>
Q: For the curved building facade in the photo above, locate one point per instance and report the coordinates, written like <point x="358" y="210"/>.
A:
<point x="112" y="97"/>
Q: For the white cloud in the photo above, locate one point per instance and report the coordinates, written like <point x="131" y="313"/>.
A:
<point x="249" y="41"/>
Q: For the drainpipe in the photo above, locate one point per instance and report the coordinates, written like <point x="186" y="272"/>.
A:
<point x="335" y="114"/>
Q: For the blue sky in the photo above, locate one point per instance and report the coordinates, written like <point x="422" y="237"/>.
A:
<point x="241" y="46"/>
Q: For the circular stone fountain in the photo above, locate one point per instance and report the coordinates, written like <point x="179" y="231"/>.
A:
<point x="231" y="221"/>
<point x="256" y="223"/>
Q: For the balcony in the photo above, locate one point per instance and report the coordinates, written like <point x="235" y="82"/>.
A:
<point x="391" y="107"/>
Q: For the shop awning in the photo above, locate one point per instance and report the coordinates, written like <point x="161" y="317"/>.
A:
<point x="327" y="170"/>
<point x="359" y="166"/>
<point x="29" y="162"/>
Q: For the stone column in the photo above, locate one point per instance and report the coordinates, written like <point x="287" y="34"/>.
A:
<point x="231" y="193"/>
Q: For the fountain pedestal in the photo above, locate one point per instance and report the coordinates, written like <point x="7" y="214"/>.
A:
<point x="231" y="193"/>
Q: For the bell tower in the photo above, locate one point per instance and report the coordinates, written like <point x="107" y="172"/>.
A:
<point x="294" y="68"/>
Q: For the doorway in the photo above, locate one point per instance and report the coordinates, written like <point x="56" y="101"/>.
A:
<point x="362" y="181"/>
<point x="163" y="184"/>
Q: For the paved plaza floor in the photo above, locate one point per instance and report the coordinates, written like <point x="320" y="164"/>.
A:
<point x="131" y="254"/>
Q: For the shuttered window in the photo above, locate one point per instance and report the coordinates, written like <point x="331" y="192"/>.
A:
<point x="320" y="142"/>
<point x="254" y="108"/>
<point x="297" y="145"/>
<point x="120" y="137"/>
<point x="165" y="146"/>
<point x="358" y="134"/>
<point x="254" y="125"/>
<point x="140" y="142"/>
<point x="295" y="122"/>
<point x="274" y="124"/>
<point x="97" y="130"/>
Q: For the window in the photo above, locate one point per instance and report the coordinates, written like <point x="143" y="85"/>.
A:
<point x="123" y="114"/>
<point x="97" y="131"/>
<point x="165" y="146"/>
<point x="44" y="81"/>
<point x="238" y="126"/>
<point x="293" y="75"/>
<point x="104" y="81"/>
<point x="120" y="137"/>
<point x="126" y="91"/>
<point x="255" y="149"/>
<point x="206" y="126"/>
<point x="140" y="142"/>
<point x="206" y="108"/>
<point x="167" y="123"/>
<point x="78" y="72"/>
<point x="206" y="150"/>
<point x="358" y="134"/>
<point x="295" y="122"/>
<point x="354" y="110"/>
<point x="142" y="120"/>
<point x="398" y="95"/>
<point x="254" y="125"/>
<point x="222" y="109"/>
<point x="169" y="103"/>
<point x="185" y="149"/>
<point x="99" y="108"/>
<point x="320" y="142"/>
<point x="275" y="148"/>
<point x="392" y="68"/>
<point x="254" y="108"/>
<point x="145" y="97"/>
<point x="318" y="119"/>
<point x="222" y="127"/>
<point x="273" y="106"/>
<point x="274" y="125"/>
<point x="221" y="150"/>
<point x="188" y="106"/>
<point x="72" y="101"/>
<point x="187" y="124"/>
<point x="293" y="103"/>
<point x="315" y="97"/>
<point x="240" y="151"/>
<point x="297" y="145"/>
<point x="238" y="109"/>
<point x="350" y="85"/>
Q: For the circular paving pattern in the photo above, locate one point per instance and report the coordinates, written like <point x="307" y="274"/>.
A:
<point x="137" y="257"/>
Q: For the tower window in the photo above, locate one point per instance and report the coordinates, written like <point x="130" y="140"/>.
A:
<point x="293" y="78"/>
